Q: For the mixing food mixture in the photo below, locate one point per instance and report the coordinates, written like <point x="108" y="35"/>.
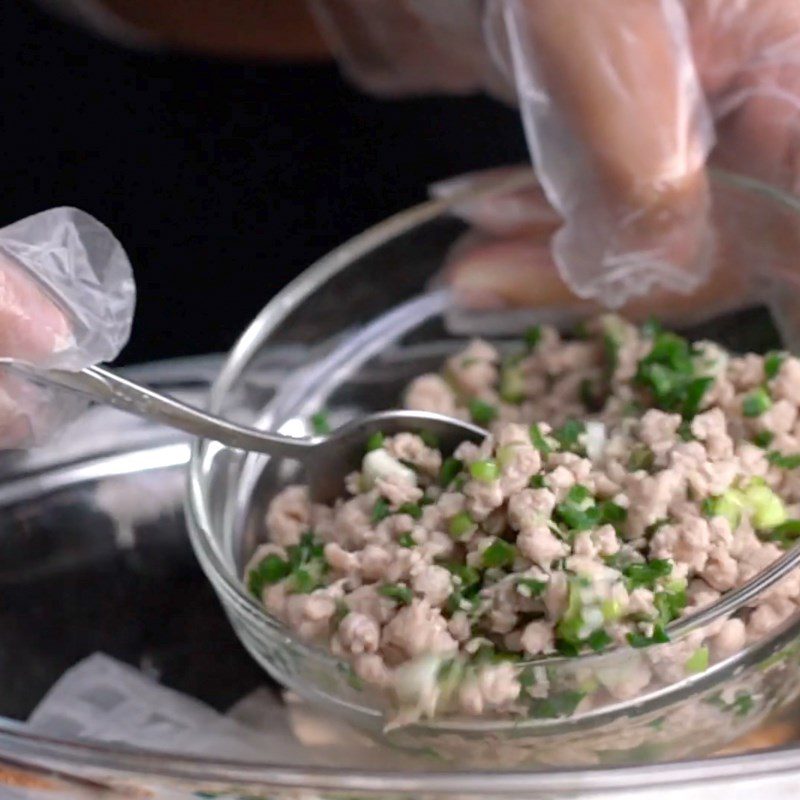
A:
<point x="631" y="478"/>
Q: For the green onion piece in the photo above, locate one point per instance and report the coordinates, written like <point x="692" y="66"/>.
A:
<point x="482" y="413"/>
<point x="528" y="587"/>
<point x="784" y="461"/>
<point x="785" y="534"/>
<point x="697" y="661"/>
<point x="461" y="525"/>
<point x="767" y="510"/>
<point x="612" y="514"/>
<point x="396" y="591"/>
<point x="578" y="510"/>
<point x="406" y="540"/>
<point x="659" y="636"/>
<point x="772" y="364"/>
<point x="685" y="431"/>
<point x="641" y="457"/>
<point x="412" y="509"/>
<point x="532" y="336"/>
<point x="499" y="554"/>
<point x="305" y="579"/>
<point x="308" y="549"/>
<point x="670" y="604"/>
<point x="569" y="433"/>
<point x="450" y="468"/>
<point x="375" y="442"/>
<point x="647" y="574"/>
<point x="269" y="571"/>
<point x="484" y="471"/>
<point x="756" y="403"/>
<point x="381" y="510"/>
<point x="537" y="482"/>
<point x="763" y="438"/>
<point x="612" y="610"/>
<point x="538" y="440"/>
<point x="468" y="577"/>
<point x="599" y="640"/>
<point x="512" y="384"/>
<point x="668" y="372"/>
<point x="320" y="424"/>
<point x="567" y="648"/>
<point x="562" y="704"/>
<point x="429" y="439"/>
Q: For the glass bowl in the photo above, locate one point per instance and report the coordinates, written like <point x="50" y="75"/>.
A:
<point x="366" y="320"/>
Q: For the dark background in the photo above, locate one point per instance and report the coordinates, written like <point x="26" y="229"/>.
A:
<point x="223" y="180"/>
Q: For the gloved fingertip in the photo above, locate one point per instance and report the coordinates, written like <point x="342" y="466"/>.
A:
<point x="32" y="326"/>
<point x="516" y="272"/>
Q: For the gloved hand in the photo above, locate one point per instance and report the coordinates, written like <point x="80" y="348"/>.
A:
<point x="621" y="100"/>
<point x="66" y="301"/>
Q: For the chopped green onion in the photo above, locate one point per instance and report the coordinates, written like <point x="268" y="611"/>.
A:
<point x="562" y="704"/>
<point x="320" y="424"/>
<point x="306" y="578"/>
<point x="567" y="648"/>
<point x="785" y="534"/>
<point x="484" y="471"/>
<point x="450" y="468"/>
<point x="499" y="554"/>
<point x="685" y="431"/>
<point x="668" y="372"/>
<point x="763" y="438"/>
<point x="537" y="482"/>
<point x="398" y="592"/>
<point x="269" y="571"/>
<point x="532" y="336"/>
<point x="512" y="384"/>
<point x="429" y="439"/>
<point x="659" y="636"/>
<point x="599" y="640"/>
<point x="772" y="364"/>
<point x="767" y="510"/>
<point x="468" y="577"/>
<point x="461" y="525"/>
<point x="528" y="587"/>
<point x="612" y="513"/>
<point x="641" y="457"/>
<point x="612" y="610"/>
<point x="670" y="604"/>
<point x="412" y="509"/>
<point x="697" y="661"/>
<point x="756" y="403"/>
<point x="784" y="461"/>
<point x="578" y="510"/>
<point x="482" y="413"/>
<point x="647" y="574"/>
<point x="406" y="540"/>
<point x="569" y="433"/>
<point x="381" y="510"/>
<point x="538" y="440"/>
<point x="375" y="442"/>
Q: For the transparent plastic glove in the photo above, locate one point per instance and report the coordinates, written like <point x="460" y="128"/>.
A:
<point x="67" y="298"/>
<point x="748" y="61"/>
<point x="505" y="261"/>
<point x="615" y="116"/>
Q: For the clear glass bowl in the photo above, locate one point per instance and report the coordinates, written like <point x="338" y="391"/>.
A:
<point x="366" y="321"/>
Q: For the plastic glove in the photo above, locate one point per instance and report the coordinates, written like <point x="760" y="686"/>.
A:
<point x="618" y="99"/>
<point x="67" y="298"/>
